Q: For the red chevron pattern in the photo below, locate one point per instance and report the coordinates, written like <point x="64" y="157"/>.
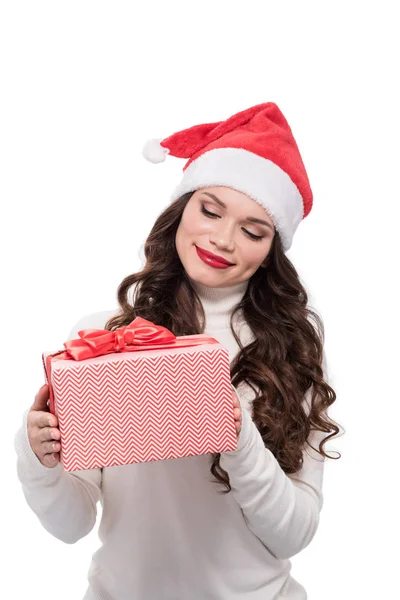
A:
<point x="132" y="407"/>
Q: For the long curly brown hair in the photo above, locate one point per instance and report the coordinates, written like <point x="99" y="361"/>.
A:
<point x="280" y="365"/>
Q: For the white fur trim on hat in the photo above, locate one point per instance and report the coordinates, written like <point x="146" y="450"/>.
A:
<point x="258" y="177"/>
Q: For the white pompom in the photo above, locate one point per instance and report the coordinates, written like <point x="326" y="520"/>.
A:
<point x="154" y="152"/>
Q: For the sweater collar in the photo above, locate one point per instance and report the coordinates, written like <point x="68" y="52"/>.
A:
<point x="218" y="302"/>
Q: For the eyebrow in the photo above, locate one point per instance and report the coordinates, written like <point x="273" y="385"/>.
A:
<point x="251" y="219"/>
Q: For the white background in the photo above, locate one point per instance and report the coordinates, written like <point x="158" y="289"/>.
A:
<point x="83" y="86"/>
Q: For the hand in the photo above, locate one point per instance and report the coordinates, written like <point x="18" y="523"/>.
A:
<point x="43" y="432"/>
<point x="237" y="412"/>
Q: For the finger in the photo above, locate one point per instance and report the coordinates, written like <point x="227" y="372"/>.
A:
<point x="49" y="433"/>
<point x="236" y="401"/>
<point x="42" y="419"/>
<point x="237" y="413"/>
<point x="50" y="447"/>
<point x="41" y="398"/>
<point x="51" y="460"/>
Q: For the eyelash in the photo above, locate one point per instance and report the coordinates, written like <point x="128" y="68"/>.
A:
<point x="255" y="238"/>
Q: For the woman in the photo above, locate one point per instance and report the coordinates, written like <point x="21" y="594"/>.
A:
<point x="214" y="526"/>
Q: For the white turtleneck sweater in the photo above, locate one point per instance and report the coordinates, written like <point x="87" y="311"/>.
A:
<point x="165" y="531"/>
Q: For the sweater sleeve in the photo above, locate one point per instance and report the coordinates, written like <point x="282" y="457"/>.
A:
<point x="64" y="502"/>
<point x="281" y="510"/>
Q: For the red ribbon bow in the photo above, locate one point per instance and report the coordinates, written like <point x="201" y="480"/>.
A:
<point x="140" y="332"/>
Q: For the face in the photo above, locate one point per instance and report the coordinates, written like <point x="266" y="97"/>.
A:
<point x="216" y="219"/>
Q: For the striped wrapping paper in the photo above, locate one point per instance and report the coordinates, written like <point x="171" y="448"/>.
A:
<point x="129" y="407"/>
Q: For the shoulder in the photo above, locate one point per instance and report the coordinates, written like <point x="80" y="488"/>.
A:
<point x="95" y="320"/>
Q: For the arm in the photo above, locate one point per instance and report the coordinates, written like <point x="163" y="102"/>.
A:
<point x="65" y="502"/>
<point x="281" y="510"/>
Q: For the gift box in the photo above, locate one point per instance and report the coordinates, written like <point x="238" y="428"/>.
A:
<point x="140" y="394"/>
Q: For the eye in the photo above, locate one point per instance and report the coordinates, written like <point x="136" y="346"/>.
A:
<point x="256" y="238"/>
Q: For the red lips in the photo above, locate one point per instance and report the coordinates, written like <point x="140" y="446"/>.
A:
<point x="215" y="256"/>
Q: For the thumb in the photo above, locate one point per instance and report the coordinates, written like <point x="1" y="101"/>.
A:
<point x="41" y="398"/>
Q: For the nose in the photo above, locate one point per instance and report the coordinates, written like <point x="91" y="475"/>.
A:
<point x="223" y="237"/>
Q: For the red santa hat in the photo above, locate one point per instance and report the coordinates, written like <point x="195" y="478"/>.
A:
<point x="254" y="152"/>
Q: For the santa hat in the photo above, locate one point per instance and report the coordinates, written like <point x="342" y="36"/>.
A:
<point x="254" y="152"/>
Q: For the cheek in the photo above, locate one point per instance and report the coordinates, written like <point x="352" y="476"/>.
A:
<point x="185" y="233"/>
<point x="257" y="252"/>
<point x="192" y="223"/>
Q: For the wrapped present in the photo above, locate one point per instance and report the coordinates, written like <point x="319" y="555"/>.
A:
<point x="140" y="394"/>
